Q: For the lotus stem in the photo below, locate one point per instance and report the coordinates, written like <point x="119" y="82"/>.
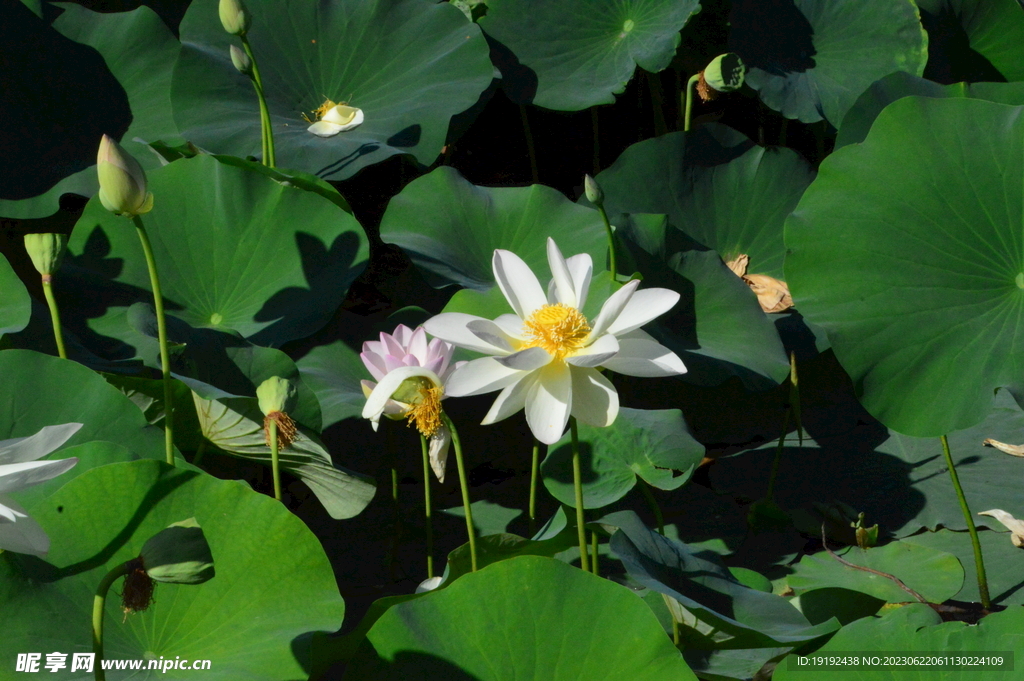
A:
<point x="675" y="632"/>
<point x="653" y="503"/>
<point x="534" y="474"/>
<point x="58" y="334"/>
<point x="426" y="505"/>
<point x="530" y="148"/>
<point x="688" y="100"/>
<point x="611" y="239"/>
<point x="778" y="456"/>
<point x="464" y="485"/>
<point x="577" y="482"/>
<point x="657" y="102"/>
<point x="98" y="603"/>
<point x="200" y="452"/>
<point x="268" y="132"/>
<point x="593" y="563"/>
<point x="979" y="563"/>
<point x="161" y="326"/>
<point x="275" y="463"/>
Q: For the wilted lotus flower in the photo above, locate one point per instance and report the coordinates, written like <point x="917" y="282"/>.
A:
<point x="122" y="181"/>
<point x="334" y="118"/>
<point x="411" y="374"/>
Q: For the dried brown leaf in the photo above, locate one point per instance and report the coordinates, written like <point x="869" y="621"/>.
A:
<point x="1012" y="450"/>
<point x="772" y="293"/>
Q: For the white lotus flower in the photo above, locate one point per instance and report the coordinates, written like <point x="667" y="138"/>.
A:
<point x="545" y="357"/>
<point x="335" y="118"/>
<point x="20" y="469"/>
<point x="411" y="374"/>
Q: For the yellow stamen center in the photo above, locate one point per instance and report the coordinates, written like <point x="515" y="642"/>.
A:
<point x="426" y="413"/>
<point x="558" y="328"/>
<point x="320" y="111"/>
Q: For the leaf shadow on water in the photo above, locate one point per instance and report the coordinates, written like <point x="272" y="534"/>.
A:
<point x="517" y="80"/>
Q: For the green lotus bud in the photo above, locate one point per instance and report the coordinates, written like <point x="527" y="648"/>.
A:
<point x="122" y="181"/>
<point x="234" y="17"/>
<point x="241" y="60"/>
<point x="276" y="394"/>
<point x="178" y="554"/>
<point x="593" y="190"/>
<point x="725" y="73"/>
<point x="46" y="251"/>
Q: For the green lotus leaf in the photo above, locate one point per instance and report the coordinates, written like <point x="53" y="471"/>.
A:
<point x="811" y="59"/>
<point x="334" y="373"/>
<point x="819" y="605"/>
<point x="734" y="207"/>
<point x="936" y="575"/>
<point x="236" y="251"/>
<point x="917" y="629"/>
<point x="1001" y="557"/>
<point x="235" y="425"/>
<point x="450" y="228"/>
<point x="561" y="55"/>
<point x="994" y="30"/>
<point x="409" y="65"/>
<point x="123" y="91"/>
<point x="897" y="85"/>
<point x="243" y="620"/>
<point x="654" y="445"/>
<point x="907" y="249"/>
<point x="505" y="546"/>
<point x="488" y="517"/>
<point x="520" y="618"/>
<point x="15" y="304"/>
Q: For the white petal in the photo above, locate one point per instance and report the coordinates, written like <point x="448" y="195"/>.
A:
<point x="594" y="398"/>
<point x="429" y="584"/>
<point x="16" y="476"/>
<point x="37" y="446"/>
<point x="518" y="282"/>
<point x="480" y="376"/>
<point x="440" y="442"/>
<point x="597" y="353"/>
<point x="645" y="305"/>
<point x="378" y="399"/>
<point x="512" y="325"/>
<point x="347" y="117"/>
<point x="489" y="332"/>
<point x="564" y="288"/>
<point x="328" y="128"/>
<point x="509" y="401"/>
<point x="526" y="360"/>
<point x="23" y="536"/>
<point x="612" y="308"/>
<point x="549" y="401"/>
<point x="581" y="267"/>
<point x="642" y="357"/>
<point x="324" y="129"/>
<point x="452" y="327"/>
<point x="416" y="345"/>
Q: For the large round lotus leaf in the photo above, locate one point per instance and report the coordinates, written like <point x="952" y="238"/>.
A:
<point x="934" y="574"/>
<point x="918" y="630"/>
<point x="235" y="251"/>
<point x="138" y="50"/>
<point x="562" y="55"/>
<point x="450" y="227"/>
<point x="994" y="30"/>
<point x="908" y="249"/>
<point x="898" y="481"/>
<point x="15" y="303"/>
<point x="521" y="619"/>
<point x="654" y="445"/>
<point x="244" y="620"/>
<point x="409" y="65"/>
<point x="1002" y="562"/>
<point x="737" y="207"/>
<point x="811" y="59"/>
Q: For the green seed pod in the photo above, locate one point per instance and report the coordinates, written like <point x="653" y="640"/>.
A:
<point x="178" y="554"/>
<point x="725" y="73"/>
<point x="411" y="390"/>
<point x="234" y="17"/>
<point x="46" y="251"/>
<point x="276" y="394"/>
<point x="241" y="60"/>
<point x="593" y="190"/>
<point x="122" y="181"/>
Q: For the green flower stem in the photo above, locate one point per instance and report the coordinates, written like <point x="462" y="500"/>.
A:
<point x="394" y="485"/>
<point x="464" y="485"/>
<point x="98" y="601"/>
<point x="688" y="100"/>
<point x="593" y="564"/>
<point x="657" y="102"/>
<point x="275" y="463"/>
<point x="161" y="326"/>
<point x="534" y="170"/>
<point x="200" y="452"/>
<point x="268" y="132"/>
<point x="58" y="335"/>
<point x="534" y="474"/>
<point x="778" y="456"/>
<point x="653" y="503"/>
<point x="675" y="632"/>
<point x="426" y="504"/>
<point x="611" y="240"/>
<point x="577" y="482"/>
<point x="986" y="601"/>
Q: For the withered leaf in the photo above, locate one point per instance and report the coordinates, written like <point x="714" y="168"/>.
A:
<point x="772" y="293"/>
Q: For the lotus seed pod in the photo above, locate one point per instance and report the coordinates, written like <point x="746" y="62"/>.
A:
<point x="241" y="60"/>
<point x="725" y="73"/>
<point x="46" y="251"/>
<point x="178" y="554"/>
<point x="276" y="394"/>
<point x="593" y="190"/>
<point x="122" y="181"/>
<point x="234" y="17"/>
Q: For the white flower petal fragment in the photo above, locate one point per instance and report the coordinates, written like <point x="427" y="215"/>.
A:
<point x="338" y="118"/>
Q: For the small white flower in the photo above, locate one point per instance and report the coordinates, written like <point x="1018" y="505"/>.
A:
<point x="335" y="118"/>
<point x="20" y="469"/>
<point x="545" y="357"/>
<point x="411" y="374"/>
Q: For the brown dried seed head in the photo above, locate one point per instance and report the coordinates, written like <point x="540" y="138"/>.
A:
<point x="286" y="430"/>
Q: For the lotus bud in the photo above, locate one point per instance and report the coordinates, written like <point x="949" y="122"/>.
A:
<point x="122" y="181"/>
<point x="725" y="73"/>
<point x="178" y="554"/>
<point x="234" y="17"/>
<point x="277" y="397"/>
<point x="593" y="190"/>
<point x="241" y="60"/>
<point x="46" y="251"/>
